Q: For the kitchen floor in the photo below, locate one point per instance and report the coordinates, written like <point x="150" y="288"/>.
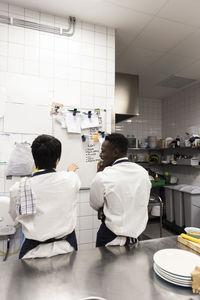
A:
<point x="152" y="231"/>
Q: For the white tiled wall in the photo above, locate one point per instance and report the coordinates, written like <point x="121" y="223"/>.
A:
<point x="179" y="113"/>
<point x="148" y="123"/>
<point x="87" y="224"/>
<point x="76" y="71"/>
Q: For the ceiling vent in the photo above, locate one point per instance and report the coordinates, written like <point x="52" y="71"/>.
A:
<point x="176" y="82"/>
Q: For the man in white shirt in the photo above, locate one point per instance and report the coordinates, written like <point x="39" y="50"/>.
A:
<point x="120" y="193"/>
<point x="45" y="204"/>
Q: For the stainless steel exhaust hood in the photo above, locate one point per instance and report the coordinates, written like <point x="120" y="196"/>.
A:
<point x="126" y="96"/>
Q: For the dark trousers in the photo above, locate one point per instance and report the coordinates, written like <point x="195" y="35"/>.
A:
<point x="105" y="235"/>
<point x="31" y="244"/>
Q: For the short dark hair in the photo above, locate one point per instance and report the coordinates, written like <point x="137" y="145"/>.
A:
<point x="46" y="149"/>
<point x="119" y="141"/>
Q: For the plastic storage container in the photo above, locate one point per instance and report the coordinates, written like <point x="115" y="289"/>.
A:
<point x="191" y="196"/>
<point x="179" y="205"/>
<point x="169" y="200"/>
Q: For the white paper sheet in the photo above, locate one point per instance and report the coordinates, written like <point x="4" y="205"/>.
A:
<point x="89" y="122"/>
<point x="73" y="123"/>
<point x="61" y="120"/>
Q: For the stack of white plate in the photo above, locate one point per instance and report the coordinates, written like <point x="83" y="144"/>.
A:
<point x="175" y="265"/>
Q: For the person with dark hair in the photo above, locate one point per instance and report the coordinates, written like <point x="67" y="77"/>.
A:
<point x="45" y="204"/>
<point x="120" y="193"/>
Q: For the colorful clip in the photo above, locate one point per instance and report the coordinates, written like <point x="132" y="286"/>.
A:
<point x="83" y="138"/>
<point x="95" y="138"/>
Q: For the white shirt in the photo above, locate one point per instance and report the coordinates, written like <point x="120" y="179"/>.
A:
<point x="55" y="216"/>
<point x="123" y="191"/>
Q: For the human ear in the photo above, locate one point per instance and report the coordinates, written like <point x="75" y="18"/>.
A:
<point x="115" y="152"/>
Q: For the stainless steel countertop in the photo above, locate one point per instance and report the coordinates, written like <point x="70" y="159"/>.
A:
<point x="114" y="273"/>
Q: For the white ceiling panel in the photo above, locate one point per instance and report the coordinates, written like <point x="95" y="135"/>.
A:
<point x="150" y="78"/>
<point x="123" y="39"/>
<point x="189" y="47"/>
<point x="170" y="64"/>
<point x="162" y="35"/>
<point x="129" y="28"/>
<point x="136" y="60"/>
<point x="157" y="92"/>
<point x="183" y="11"/>
<point x="193" y="71"/>
<point x="93" y="11"/>
<point x="150" y="6"/>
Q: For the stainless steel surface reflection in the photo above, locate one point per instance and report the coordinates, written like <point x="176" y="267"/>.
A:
<point x="113" y="273"/>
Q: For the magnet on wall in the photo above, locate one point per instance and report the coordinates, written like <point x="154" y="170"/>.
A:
<point x="83" y="138"/>
<point x="102" y="133"/>
<point x="74" y="112"/>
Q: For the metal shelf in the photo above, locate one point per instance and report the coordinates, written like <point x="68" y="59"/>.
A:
<point x="165" y="149"/>
<point x="167" y="165"/>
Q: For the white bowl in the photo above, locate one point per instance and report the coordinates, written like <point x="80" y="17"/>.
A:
<point x="193" y="231"/>
<point x="155" y="211"/>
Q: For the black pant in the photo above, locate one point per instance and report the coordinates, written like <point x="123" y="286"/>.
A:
<point x="105" y="235"/>
<point x="31" y="244"/>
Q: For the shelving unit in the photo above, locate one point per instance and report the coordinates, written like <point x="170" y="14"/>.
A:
<point x="165" y="165"/>
<point x="179" y="150"/>
<point x="156" y="167"/>
<point x="163" y="149"/>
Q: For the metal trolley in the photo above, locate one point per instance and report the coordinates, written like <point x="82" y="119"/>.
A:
<point x="155" y="201"/>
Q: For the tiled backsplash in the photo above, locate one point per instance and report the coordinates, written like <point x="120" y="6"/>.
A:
<point x="179" y="113"/>
<point x="168" y="118"/>
<point x="148" y="123"/>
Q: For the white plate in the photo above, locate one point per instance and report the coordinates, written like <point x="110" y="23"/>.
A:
<point x="93" y="298"/>
<point x="168" y="280"/>
<point x="173" y="275"/>
<point x="183" y="281"/>
<point x="176" y="261"/>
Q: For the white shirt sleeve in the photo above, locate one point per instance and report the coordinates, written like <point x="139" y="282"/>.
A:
<point x="77" y="182"/>
<point x="97" y="192"/>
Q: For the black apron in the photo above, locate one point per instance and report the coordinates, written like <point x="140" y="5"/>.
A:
<point x="104" y="234"/>
<point x="31" y="244"/>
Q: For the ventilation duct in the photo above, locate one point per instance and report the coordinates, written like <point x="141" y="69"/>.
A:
<point x="41" y="27"/>
<point x="126" y="96"/>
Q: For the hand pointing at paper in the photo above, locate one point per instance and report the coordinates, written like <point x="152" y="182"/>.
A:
<point x="73" y="167"/>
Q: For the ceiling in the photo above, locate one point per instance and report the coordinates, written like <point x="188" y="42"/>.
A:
<point x="154" y="38"/>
